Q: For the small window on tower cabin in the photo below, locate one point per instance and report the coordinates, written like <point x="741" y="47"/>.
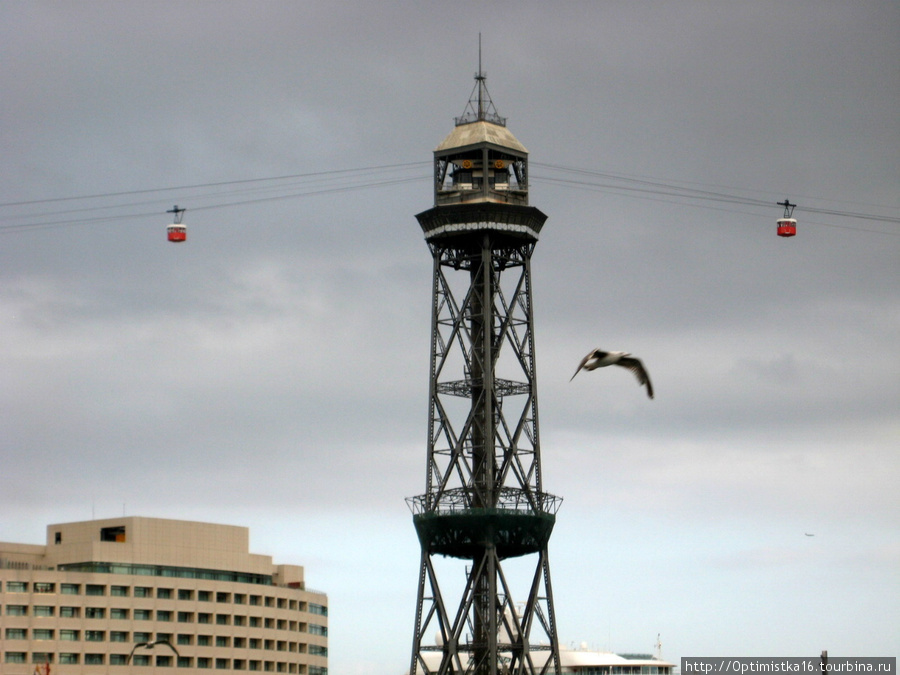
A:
<point x="113" y="533"/>
<point x="463" y="179"/>
<point x="57" y="538"/>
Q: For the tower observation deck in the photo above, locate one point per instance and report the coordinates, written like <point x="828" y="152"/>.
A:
<point x="484" y="503"/>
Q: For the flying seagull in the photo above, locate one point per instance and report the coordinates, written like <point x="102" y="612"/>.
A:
<point x="599" y="358"/>
<point x="808" y="534"/>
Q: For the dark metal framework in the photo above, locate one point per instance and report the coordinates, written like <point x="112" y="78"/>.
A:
<point x="484" y="501"/>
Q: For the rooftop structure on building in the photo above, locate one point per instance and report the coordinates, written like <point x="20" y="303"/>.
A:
<point x="136" y="594"/>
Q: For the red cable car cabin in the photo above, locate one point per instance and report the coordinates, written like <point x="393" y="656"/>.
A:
<point x="787" y="227"/>
<point x="177" y="232"/>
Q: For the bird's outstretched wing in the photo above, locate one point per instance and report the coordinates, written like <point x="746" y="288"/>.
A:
<point x="583" y="361"/>
<point x="636" y="367"/>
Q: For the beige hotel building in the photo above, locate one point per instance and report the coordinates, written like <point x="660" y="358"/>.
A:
<point x="146" y="595"/>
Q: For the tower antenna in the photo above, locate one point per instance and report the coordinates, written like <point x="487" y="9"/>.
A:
<point x="480" y="78"/>
<point x="480" y="107"/>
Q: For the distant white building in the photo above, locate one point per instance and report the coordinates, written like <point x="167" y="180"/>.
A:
<point x="589" y="662"/>
<point x="133" y="595"/>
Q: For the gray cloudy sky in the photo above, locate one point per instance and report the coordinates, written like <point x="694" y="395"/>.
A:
<point x="272" y="371"/>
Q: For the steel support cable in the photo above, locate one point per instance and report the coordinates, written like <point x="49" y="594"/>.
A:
<point x="318" y="178"/>
<point x="618" y="190"/>
<point x="653" y="183"/>
<point x="217" y="184"/>
<point x="5" y="229"/>
<point x="622" y="183"/>
<point x="680" y="191"/>
<point x="648" y="180"/>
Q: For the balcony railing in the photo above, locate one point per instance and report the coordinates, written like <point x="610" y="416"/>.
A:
<point x="461" y="500"/>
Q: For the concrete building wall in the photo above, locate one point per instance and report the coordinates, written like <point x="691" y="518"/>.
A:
<point x="191" y="592"/>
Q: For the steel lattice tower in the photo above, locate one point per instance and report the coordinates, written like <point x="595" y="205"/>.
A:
<point x="484" y="502"/>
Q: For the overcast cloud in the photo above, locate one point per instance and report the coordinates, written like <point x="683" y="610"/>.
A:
<point x="272" y="371"/>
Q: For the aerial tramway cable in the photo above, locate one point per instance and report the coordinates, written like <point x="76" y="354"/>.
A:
<point x="343" y="180"/>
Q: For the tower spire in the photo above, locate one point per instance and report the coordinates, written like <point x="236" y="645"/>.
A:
<point x="480" y="78"/>
<point x="480" y="107"/>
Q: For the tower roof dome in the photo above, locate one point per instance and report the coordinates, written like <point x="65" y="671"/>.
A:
<point x="479" y="133"/>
